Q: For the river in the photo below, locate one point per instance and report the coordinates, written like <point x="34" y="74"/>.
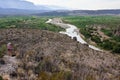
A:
<point x="72" y="31"/>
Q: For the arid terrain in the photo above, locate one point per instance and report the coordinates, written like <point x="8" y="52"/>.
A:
<point x="45" y="55"/>
<point x="59" y="39"/>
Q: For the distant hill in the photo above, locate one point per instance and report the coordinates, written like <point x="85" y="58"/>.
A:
<point x="20" y="7"/>
<point x="49" y="12"/>
<point x="20" y="4"/>
<point x="13" y="11"/>
<point x="81" y="12"/>
<point x="98" y="12"/>
<point x="54" y="13"/>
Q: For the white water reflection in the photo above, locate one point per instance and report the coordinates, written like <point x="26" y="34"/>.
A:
<point x="72" y="31"/>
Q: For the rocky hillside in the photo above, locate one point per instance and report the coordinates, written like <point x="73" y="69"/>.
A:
<point x="45" y="55"/>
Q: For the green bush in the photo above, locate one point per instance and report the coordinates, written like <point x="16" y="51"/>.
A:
<point x="107" y="32"/>
<point x="96" y="39"/>
<point x="2" y="50"/>
<point x="85" y="32"/>
<point x="62" y="75"/>
<point x="90" y="77"/>
<point x="116" y="38"/>
<point x="1" y="78"/>
<point x="107" y="44"/>
<point x="116" y="48"/>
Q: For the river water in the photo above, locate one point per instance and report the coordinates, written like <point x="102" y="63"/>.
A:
<point x="72" y="31"/>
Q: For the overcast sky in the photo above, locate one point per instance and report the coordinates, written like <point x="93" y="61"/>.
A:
<point x="81" y="4"/>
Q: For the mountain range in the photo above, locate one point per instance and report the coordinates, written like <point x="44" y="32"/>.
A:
<point x="21" y="4"/>
<point x="21" y="7"/>
<point x="14" y="11"/>
<point x="81" y="12"/>
<point x="43" y="12"/>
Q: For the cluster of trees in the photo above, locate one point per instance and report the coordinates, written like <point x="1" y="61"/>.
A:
<point x="110" y="45"/>
<point x="28" y="22"/>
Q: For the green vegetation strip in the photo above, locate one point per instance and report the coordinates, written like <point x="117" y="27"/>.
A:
<point x="108" y="26"/>
<point x="28" y="22"/>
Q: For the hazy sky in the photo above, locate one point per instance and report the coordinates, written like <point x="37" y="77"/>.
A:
<point x="81" y="4"/>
